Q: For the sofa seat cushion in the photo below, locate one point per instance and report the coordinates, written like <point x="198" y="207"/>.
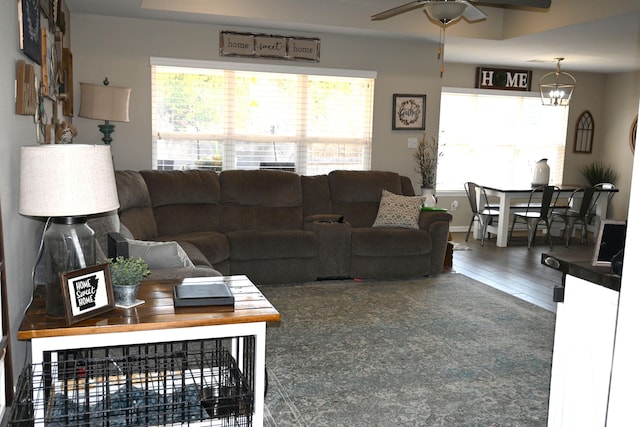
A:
<point x="213" y="245"/>
<point x="389" y="241"/>
<point x="272" y="244"/>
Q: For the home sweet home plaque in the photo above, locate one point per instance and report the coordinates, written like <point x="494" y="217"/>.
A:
<point x="269" y="46"/>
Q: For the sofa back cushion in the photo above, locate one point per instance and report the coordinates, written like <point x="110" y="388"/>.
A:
<point x="260" y="200"/>
<point x="356" y="194"/>
<point x="316" y="196"/>
<point x="135" y="209"/>
<point x="184" y="201"/>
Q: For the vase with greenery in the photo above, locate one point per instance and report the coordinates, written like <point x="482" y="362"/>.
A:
<point x="426" y="157"/>
<point x="598" y="172"/>
<point x="126" y="275"/>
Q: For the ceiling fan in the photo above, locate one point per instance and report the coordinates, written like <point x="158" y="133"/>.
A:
<point x="450" y="10"/>
<point x="447" y="11"/>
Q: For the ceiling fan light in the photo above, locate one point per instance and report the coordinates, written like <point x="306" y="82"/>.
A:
<point x="556" y="87"/>
<point x="445" y="11"/>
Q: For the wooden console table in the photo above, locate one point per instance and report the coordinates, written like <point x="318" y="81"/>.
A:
<point x="157" y="321"/>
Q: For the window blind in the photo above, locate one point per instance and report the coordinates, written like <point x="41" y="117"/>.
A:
<point x="226" y="117"/>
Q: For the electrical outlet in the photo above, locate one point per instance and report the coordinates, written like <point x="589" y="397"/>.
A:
<point x="413" y="143"/>
<point x="454" y="206"/>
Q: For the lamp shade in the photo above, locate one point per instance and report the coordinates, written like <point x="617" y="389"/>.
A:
<point x="67" y="180"/>
<point x="445" y="11"/>
<point x="100" y="102"/>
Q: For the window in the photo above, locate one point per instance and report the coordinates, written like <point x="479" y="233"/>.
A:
<point x="242" y="116"/>
<point x="494" y="138"/>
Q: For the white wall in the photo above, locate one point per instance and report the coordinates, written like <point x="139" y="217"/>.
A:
<point x="20" y="233"/>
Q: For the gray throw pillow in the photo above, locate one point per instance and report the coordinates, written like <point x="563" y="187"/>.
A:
<point x="159" y="254"/>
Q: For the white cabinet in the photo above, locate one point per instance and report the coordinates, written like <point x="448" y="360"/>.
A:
<point x="582" y="354"/>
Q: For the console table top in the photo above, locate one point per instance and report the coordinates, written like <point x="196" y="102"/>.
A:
<point x="157" y="312"/>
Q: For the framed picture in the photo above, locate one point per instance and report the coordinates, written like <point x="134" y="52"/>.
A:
<point x="610" y="242"/>
<point x="29" y="23"/>
<point x="409" y="112"/>
<point x="66" y="82"/>
<point x="87" y="292"/>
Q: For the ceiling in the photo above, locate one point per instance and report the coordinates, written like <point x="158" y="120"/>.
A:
<point x="601" y="36"/>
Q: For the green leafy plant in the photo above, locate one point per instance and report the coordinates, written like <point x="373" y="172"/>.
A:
<point x="426" y="157"/>
<point x="597" y="172"/>
<point x="127" y="271"/>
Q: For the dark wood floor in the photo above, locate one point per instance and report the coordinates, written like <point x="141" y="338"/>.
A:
<point x="515" y="269"/>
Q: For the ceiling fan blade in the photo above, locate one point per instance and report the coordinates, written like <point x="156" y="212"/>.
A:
<point x="473" y="14"/>
<point x="542" y="4"/>
<point x="398" y="10"/>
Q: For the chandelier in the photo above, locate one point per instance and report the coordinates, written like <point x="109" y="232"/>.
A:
<point x="557" y="87"/>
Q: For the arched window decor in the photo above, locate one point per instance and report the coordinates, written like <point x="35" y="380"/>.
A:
<point x="584" y="133"/>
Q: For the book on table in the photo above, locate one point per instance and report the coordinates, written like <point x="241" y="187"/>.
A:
<point x="202" y="291"/>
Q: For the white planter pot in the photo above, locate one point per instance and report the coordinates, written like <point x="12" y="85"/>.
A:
<point x="430" y="197"/>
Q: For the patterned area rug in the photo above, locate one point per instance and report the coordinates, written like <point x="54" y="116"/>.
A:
<point x="441" y="351"/>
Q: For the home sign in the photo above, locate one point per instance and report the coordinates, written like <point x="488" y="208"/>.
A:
<point x="269" y="46"/>
<point x="503" y="79"/>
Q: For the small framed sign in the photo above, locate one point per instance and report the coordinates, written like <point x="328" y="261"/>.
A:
<point x="409" y="112"/>
<point x="87" y="292"/>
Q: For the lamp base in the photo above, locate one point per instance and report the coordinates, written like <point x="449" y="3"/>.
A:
<point x="69" y="244"/>
<point x="107" y="129"/>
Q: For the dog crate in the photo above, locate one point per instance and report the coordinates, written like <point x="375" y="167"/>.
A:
<point x="196" y="383"/>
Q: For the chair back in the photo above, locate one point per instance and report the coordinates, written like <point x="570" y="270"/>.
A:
<point x="548" y="192"/>
<point x="470" y="188"/>
<point x="607" y="186"/>
<point x="588" y="201"/>
<point x="543" y="206"/>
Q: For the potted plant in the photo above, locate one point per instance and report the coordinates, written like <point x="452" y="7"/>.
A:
<point x="426" y="157"/>
<point x="597" y="172"/>
<point x="126" y="275"/>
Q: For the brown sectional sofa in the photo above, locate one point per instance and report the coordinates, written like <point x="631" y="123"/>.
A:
<point x="280" y="227"/>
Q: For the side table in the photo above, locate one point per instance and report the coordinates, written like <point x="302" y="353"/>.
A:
<point x="157" y="321"/>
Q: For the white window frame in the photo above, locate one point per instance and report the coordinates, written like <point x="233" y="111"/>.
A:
<point x="301" y="140"/>
<point x="525" y="170"/>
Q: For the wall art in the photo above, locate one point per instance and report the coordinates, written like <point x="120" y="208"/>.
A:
<point x="29" y="25"/>
<point x="409" y="112"/>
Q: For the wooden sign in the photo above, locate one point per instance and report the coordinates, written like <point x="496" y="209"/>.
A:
<point x="503" y="79"/>
<point x="26" y="90"/>
<point x="269" y="46"/>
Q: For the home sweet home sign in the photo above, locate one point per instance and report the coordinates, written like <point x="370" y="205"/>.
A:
<point x="269" y="46"/>
<point x="503" y="79"/>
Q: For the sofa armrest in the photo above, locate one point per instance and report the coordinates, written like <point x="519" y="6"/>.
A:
<point x="436" y="223"/>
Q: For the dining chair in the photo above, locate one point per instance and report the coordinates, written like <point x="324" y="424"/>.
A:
<point x="573" y="215"/>
<point x="484" y="213"/>
<point x="536" y="211"/>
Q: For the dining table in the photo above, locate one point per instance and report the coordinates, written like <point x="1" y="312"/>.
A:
<point x="511" y="198"/>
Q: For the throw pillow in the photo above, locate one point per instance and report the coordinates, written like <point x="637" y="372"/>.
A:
<point x="160" y="254"/>
<point x="398" y="211"/>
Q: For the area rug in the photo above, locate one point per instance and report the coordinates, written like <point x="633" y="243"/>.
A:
<point x="441" y="351"/>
